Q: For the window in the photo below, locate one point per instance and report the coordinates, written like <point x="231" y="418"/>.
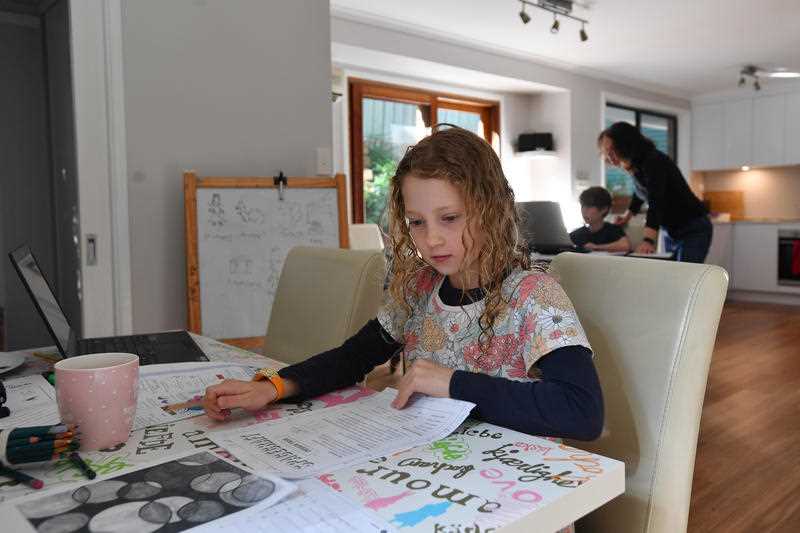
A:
<point x="385" y="120"/>
<point x="660" y="128"/>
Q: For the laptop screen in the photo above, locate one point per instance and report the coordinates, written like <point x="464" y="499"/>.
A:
<point x="542" y="225"/>
<point x="44" y="299"/>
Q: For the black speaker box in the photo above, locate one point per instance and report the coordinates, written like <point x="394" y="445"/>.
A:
<point x="534" y="141"/>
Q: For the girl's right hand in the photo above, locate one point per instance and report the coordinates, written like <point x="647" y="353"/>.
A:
<point x="233" y="393"/>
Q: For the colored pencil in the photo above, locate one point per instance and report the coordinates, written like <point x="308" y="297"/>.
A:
<point x="78" y="461"/>
<point x="21" y="477"/>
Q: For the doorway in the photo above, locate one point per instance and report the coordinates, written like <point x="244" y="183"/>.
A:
<point x="38" y="187"/>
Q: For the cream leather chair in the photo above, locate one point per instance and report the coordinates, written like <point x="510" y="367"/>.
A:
<point x="652" y="325"/>
<point x="324" y="296"/>
<point x="365" y="237"/>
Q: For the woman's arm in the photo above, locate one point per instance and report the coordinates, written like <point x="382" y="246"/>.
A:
<point x="566" y="402"/>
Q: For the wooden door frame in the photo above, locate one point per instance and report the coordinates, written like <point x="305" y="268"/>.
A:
<point x="359" y="88"/>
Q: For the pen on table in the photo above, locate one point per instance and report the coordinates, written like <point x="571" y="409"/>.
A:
<point x="21" y="477"/>
<point x="78" y="461"/>
<point x="191" y="404"/>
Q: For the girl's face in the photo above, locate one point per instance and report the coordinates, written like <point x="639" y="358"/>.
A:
<point x="437" y="221"/>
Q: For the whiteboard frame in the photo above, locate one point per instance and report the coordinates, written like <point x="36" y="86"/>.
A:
<point x="191" y="182"/>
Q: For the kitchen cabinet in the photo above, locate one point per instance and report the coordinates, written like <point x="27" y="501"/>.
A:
<point x="755" y="257"/>
<point x="754" y="131"/>
<point x="738" y="134"/>
<point x="769" y="130"/>
<point x="708" y="149"/>
<point x="792" y="117"/>
<point x="721" y="251"/>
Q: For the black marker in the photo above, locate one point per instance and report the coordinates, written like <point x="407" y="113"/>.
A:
<point x="78" y="461"/>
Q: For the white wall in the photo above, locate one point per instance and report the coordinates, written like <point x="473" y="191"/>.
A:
<point x="586" y="94"/>
<point x="226" y="88"/>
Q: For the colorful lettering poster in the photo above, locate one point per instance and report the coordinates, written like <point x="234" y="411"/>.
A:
<point x="478" y="479"/>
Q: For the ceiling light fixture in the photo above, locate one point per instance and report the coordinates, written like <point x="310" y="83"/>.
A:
<point x="523" y="15"/>
<point x="559" y="8"/>
<point x="756" y="73"/>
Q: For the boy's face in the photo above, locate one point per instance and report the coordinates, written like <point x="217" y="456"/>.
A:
<point x="593" y="215"/>
<point x="437" y="221"/>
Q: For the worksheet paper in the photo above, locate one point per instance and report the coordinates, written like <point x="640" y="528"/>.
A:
<point x="32" y="402"/>
<point x="170" y="392"/>
<point x="315" y="507"/>
<point x="323" y="441"/>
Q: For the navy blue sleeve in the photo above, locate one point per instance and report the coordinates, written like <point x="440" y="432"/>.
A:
<point x="345" y="365"/>
<point x="566" y="402"/>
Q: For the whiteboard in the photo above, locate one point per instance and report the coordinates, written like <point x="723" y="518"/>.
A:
<point x="243" y="238"/>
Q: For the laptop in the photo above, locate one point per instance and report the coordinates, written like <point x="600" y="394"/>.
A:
<point x="542" y="226"/>
<point x="166" y="347"/>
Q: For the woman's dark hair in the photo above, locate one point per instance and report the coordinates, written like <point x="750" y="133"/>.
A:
<point x="629" y="143"/>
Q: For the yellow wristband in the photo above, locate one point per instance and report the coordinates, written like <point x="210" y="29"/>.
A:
<point x="272" y="376"/>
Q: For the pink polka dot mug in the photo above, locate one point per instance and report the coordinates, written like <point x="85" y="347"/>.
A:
<point x="98" y="393"/>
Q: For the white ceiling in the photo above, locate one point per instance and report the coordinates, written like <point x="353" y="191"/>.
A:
<point x="683" y="47"/>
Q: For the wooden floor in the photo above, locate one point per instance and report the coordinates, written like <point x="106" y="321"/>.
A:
<point x="747" y="470"/>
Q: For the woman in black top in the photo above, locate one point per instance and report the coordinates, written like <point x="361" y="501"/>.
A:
<point x="659" y="182"/>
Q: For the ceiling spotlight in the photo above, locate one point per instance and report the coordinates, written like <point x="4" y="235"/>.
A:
<point x="583" y="34"/>
<point x="556" y="25"/>
<point x="524" y="16"/>
<point x="742" y="81"/>
<point x="757" y="85"/>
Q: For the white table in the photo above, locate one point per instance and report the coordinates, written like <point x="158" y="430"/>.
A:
<point x="483" y="476"/>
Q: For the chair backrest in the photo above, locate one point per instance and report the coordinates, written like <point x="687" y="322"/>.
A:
<point x="324" y="296"/>
<point x="652" y="325"/>
<point x="365" y="237"/>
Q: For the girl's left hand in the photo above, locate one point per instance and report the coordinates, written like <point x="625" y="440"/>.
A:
<point x="425" y="377"/>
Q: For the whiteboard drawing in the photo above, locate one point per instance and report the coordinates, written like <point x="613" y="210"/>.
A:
<point x="252" y="215"/>
<point x="241" y="265"/>
<point x="216" y="213"/>
<point x="240" y="261"/>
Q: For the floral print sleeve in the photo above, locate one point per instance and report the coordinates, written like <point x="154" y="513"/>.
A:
<point x="547" y="318"/>
<point x="394" y="318"/>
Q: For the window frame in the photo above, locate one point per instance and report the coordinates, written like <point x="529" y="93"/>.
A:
<point x="359" y="88"/>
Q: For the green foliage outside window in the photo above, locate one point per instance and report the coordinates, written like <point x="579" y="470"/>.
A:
<point x="383" y="163"/>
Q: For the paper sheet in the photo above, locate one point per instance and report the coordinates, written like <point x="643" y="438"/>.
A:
<point x="323" y="441"/>
<point x="178" y="493"/>
<point x="163" y="388"/>
<point x="32" y="402"/>
<point x="312" y="509"/>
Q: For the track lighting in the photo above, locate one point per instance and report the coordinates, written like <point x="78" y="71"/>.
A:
<point x="524" y="16"/>
<point x="757" y="85"/>
<point x="559" y="8"/>
<point x="556" y="25"/>
<point x="742" y="81"/>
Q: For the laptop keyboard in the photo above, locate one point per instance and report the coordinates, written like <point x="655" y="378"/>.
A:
<point x="137" y="344"/>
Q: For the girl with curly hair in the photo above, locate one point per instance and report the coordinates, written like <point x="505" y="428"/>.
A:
<point x="473" y="320"/>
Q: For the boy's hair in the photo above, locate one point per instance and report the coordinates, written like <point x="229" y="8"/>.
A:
<point x="597" y="197"/>
<point x="468" y="162"/>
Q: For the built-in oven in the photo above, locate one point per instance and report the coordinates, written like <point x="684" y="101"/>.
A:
<point x="788" y="257"/>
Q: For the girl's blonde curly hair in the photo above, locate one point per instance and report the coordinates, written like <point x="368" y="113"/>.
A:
<point x="465" y="160"/>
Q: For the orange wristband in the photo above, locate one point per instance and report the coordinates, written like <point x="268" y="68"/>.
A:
<point x="272" y="376"/>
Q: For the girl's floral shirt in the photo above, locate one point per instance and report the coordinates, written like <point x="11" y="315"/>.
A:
<point x="538" y="319"/>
